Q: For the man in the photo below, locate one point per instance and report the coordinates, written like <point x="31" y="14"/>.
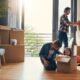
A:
<point x="64" y="25"/>
<point x="48" y="53"/>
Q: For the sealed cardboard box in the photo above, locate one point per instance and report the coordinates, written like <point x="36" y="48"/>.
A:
<point x="67" y="66"/>
<point x="14" y="54"/>
<point x="18" y="35"/>
<point x="4" y="35"/>
<point x="4" y="27"/>
<point x="77" y="50"/>
<point x="0" y="40"/>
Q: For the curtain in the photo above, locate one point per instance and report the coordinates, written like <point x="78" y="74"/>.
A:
<point x="14" y="13"/>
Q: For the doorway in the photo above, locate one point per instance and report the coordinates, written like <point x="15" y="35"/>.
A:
<point x="37" y="25"/>
<point x="62" y="5"/>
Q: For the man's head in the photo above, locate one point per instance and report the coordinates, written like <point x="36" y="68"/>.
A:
<point x="67" y="10"/>
<point x="56" y="44"/>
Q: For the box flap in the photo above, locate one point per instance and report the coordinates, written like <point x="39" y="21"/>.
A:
<point x="63" y="58"/>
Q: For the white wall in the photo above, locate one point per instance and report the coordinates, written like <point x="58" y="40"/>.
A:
<point x="38" y="15"/>
<point x="78" y="9"/>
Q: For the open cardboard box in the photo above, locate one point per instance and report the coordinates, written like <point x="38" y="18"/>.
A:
<point x="63" y="58"/>
<point x="66" y="64"/>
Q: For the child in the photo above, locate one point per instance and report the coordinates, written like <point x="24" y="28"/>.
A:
<point x="65" y="57"/>
<point x="67" y="52"/>
<point x="67" y="62"/>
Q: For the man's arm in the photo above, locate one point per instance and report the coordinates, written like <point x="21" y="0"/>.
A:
<point x="42" y="51"/>
<point x="42" y="54"/>
<point x="45" y="62"/>
<point x="65" y="21"/>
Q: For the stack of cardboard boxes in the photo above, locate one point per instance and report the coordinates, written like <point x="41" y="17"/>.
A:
<point x="13" y="53"/>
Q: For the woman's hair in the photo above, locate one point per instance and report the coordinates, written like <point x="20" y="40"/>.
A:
<point x="69" y="50"/>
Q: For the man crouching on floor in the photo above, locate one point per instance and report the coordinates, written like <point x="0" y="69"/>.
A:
<point x="48" y="53"/>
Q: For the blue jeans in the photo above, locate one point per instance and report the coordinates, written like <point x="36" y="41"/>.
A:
<point x="63" y="38"/>
<point x="51" y="66"/>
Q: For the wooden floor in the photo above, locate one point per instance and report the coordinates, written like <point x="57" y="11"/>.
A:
<point x="32" y="69"/>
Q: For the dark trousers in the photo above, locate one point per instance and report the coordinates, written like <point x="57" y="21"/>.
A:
<point x="63" y="38"/>
<point x="51" y="66"/>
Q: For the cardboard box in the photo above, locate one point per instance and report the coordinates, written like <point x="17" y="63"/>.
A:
<point x="14" y="54"/>
<point x="0" y="61"/>
<point x="67" y="67"/>
<point x="0" y="40"/>
<point x="63" y="58"/>
<point x="77" y="50"/>
<point x="4" y="35"/>
<point x="2" y="27"/>
<point x="18" y="35"/>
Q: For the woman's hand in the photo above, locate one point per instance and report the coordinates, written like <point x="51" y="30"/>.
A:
<point x="76" y="23"/>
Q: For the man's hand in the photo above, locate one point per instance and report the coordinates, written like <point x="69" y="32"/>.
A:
<point x="45" y="62"/>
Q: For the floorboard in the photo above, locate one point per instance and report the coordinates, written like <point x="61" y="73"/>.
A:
<point x="32" y="69"/>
